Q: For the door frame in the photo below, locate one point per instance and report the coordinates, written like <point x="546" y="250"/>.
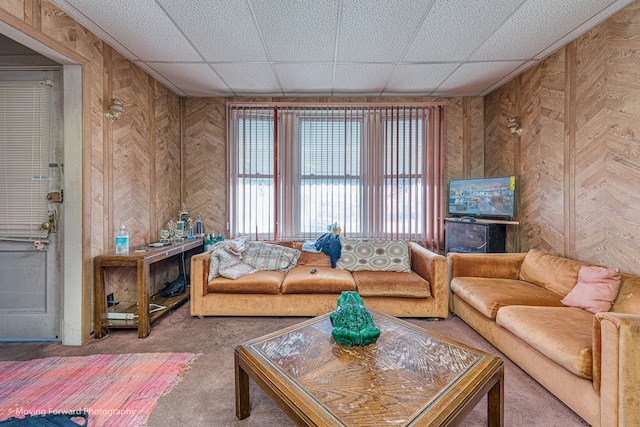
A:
<point x="76" y="292"/>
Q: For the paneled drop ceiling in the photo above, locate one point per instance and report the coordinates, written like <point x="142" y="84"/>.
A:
<point x="337" y="47"/>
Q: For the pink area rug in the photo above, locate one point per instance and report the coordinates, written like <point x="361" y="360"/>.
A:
<point x="114" y="389"/>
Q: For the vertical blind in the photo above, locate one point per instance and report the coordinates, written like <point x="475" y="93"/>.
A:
<point x="374" y="169"/>
<point x="25" y="143"/>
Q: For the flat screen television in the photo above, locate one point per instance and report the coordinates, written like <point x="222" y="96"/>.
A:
<point x="483" y="197"/>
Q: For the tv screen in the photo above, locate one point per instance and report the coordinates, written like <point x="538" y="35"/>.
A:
<point x="483" y="197"/>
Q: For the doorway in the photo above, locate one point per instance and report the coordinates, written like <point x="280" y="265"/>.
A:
<point x="30" y="265"/>
<point x="72" y="296"/>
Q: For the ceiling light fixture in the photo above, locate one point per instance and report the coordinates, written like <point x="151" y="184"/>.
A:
<point x="514" y="126"/>
<point x="114" y="110"/>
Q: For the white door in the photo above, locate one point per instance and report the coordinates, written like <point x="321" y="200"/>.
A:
<point x="30" y="272"/>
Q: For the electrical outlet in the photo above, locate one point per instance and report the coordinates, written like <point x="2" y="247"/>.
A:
<point x="110" y="300"/>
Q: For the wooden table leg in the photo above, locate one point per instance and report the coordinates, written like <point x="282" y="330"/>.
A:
<point x="243" y="406"/>
<point x="495" y="402"/>
<point x="100" y="300"/>
<point x="144" y="277"/>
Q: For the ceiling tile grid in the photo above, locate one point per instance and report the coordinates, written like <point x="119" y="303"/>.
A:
<point x="337" y="47"/>
<point x="220" y="34"/>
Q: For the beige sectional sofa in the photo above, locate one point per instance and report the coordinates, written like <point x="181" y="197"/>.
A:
<point x="423" y="292"/>
<point x="589" y="361"/>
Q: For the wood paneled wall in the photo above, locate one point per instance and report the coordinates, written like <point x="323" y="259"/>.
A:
<point x="132" y="169"/>
<point x="205" y="136"/>
<point x="578" y="160"/>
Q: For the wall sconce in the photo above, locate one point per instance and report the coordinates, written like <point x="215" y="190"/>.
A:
<point x="514" y="126"/>
<point x="114" y="110"/>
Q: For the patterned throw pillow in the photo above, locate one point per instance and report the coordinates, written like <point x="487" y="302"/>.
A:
<point x="375" y="255"/>
<point x="266" y="256"/>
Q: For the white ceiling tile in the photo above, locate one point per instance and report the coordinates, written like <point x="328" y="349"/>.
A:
<point x="360" y="78"/>
<point x="249" y="78"/>
<point x="336" y="47"/>
<point x="476" y="77"/>
<point x="454" y="29"/>
<point x="305" y="78"/>
<point x="139" y="25"/>
<point x="295" y="30"/>
<point x="535" y="26"/>
<point x="586" y="26"/>
<point x="192" y="78"/>
<point x="418" y="78"/>
<point x="383" y="35"/>
<point x="220" y="34"/>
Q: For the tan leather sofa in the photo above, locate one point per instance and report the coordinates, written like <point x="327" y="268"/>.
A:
<point x="589" y="361"/>
<point x="421" y="293"/>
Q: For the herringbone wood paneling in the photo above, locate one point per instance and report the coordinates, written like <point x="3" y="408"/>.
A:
<point x="167" y="156"/>
<point x="592" y="120"/>
<point x="579" y="153"/>
<point x="623" y="143"/>
<point x="453" y="143"/>
<point x="131" y="152"/>
<point x="476" y="135"/>
<point x="14" y="7"/>
<point x="544" y="171"/>
<point x="206" y="161"/>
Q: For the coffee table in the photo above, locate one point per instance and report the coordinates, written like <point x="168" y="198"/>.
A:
<point x="408" y="377"/>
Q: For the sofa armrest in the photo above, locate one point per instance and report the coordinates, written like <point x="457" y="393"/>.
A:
<point x="492" y="265"/>
<point x="199" y="274"/>
<point x="619" y="335"/>
<point x="433" y="268"/>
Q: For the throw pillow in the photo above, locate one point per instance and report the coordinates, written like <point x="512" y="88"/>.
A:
<point x="236" y="246"/>
<point x="374" y="255"/>
<point x="267" y="256"/>
<point x="596" y="289"/>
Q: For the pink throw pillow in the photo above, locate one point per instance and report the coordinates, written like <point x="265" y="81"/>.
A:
<point x="596" y="289"/>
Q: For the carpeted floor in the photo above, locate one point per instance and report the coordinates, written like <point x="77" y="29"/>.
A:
<point x="205" y="396"/>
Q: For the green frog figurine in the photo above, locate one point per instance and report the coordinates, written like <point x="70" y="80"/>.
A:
<point x="352" y="323"/>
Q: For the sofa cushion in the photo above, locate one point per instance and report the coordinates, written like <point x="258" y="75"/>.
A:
<point x="267" y="256"/>
<point x="563" y="334"/>
<point x="325" y="280"/>
<point x="487" y="295"/>
<point x="596" y="289"/>
<point x="375" y="255"/>
<point x="260" y="282"/>
<point x="391" y="284"/>
<point x="549" y="271"/>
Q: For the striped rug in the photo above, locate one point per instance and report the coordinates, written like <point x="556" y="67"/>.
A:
<point x="114" y="389"/>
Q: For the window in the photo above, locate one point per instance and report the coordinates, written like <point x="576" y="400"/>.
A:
<point x="25" y="142"/>
<point x="374" y="169"/>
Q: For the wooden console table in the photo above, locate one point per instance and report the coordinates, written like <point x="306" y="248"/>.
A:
<point x="142" y="261"/>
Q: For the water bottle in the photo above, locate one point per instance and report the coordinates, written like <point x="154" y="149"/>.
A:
<point x="122" y="241"/>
